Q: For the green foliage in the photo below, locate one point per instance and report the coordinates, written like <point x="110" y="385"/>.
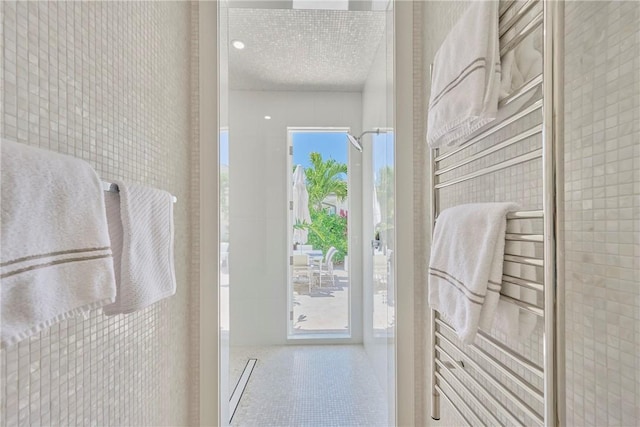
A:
<point x="328" y="230"/>
<point x="325" y="178"/>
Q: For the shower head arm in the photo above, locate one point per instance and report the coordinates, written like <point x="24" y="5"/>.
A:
<point x="377" y="132"/>
<point x="357" y="141"/>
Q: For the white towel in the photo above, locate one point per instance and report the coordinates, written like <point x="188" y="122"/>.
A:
<point x="519" y="66"/>
<point x="512" y="321"/>
<point x="466" y="77"/>
<point x="141" y="228"/>
<point x="465" y="270"/>
<point x="55" y="257"/>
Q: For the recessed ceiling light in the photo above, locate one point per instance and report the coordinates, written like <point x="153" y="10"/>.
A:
<point x="267" y="117"/>
<point x="237" y="44"/>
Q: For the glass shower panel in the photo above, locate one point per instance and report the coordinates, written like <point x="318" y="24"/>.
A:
<point x="223" y="212"/>
<point x="383" y="231"/>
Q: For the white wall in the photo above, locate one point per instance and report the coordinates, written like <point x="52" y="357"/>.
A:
<point x="258" y="205"/>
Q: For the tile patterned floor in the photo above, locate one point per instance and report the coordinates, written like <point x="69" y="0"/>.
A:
<point x="306" y="385"/>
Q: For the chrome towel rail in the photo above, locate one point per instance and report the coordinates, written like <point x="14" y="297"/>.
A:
<point x="536" y="154"/>
<point x="521" y="13"/>
<point x="489" y="382"/>
<point x="493" y="128"/>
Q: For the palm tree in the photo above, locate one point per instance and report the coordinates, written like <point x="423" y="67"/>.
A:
<point x="325" y="178"/>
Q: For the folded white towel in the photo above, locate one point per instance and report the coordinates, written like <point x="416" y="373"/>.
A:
<point x="465" y="269"/>
<point x="141" y="228"/>
<point x="512" y="321"/>
<point x="466" y="77"/>
<point x="55" y="257"/>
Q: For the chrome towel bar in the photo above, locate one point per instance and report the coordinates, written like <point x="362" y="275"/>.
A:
<point x="113" y="188"/>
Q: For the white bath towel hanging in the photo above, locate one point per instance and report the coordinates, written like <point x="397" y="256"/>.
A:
<point x="466" y="77"/>
<point x="55" y="256"/>
<point x="141" y="228"/>
<point x="465" y="269"/>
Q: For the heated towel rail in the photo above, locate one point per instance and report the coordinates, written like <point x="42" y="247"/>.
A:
<point x="494" y="381"/>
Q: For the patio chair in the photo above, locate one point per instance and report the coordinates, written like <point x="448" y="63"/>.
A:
<point x="305" y="248"/>
<point x="301" y="269"/>
<point x="325" y="269"/>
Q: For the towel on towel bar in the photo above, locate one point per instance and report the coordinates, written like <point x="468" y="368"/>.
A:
<point x="466" y="77"/>
<point x="465" y="269"/>
<point x="55" y="256"/>
<point x="510" y="319"/>
<point x="141" y="229"/>
<point x="519" y="66"/>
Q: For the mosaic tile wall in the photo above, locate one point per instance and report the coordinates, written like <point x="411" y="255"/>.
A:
<point x="602" y="211"/>
<point x="602" y="192"/>
<point x="107" y="82"/>
<point x="420" y="245"/>
<point x="194" y="305"/>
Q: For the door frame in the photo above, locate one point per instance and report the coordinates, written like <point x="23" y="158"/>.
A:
<point x="321" y="338"/>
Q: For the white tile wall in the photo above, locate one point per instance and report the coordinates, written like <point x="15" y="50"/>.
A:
<point x="602" y="192"/>
<point x="107" y="82"/>
<point x="420" y="202"/>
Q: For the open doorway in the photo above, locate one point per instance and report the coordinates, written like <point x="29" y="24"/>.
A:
<point x="290" y="71"/>
<point x="319" y="291"/>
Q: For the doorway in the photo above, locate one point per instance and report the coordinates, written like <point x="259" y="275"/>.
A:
<point x="298" y="90"/>
<point x="319" y="291"/>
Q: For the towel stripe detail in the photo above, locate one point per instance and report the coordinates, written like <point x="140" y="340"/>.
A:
<point x="465" y="70"/>
<point x="457" y="288"/>
<point x="51" y="254"/>
<point x="52" y="263"/>
<point x="475" y="65"/>
<point x="458" y="281"/>
<point x="436" y="101"/>
<point x="459" y="79"/>
<point x="494" y="287"/>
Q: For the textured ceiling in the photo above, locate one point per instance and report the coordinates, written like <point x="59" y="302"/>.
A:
<point x="290" y="49"/>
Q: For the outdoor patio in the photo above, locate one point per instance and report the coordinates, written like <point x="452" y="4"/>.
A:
<point x="326" y="308"/>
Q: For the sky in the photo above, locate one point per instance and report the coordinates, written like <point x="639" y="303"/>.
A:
<point x="331" y="145"/>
